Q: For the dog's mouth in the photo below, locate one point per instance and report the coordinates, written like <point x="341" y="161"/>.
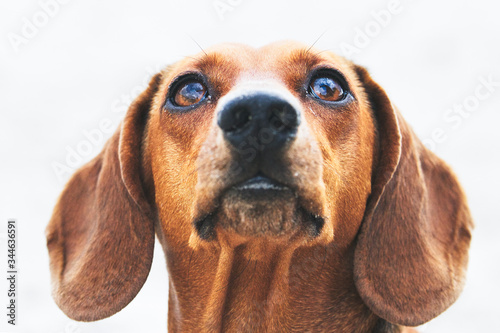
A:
<point x="260" y="185"/>
<point x="260" y="206"/>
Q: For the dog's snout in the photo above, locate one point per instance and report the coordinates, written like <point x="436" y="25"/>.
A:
<point x="269" y="120"/>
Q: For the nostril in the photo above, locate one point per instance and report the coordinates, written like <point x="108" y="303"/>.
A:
<point x="234" y="119"/>
<point x="282" y="118"/>
<point x="241" y="117"/>
<point x="276" y="119"/>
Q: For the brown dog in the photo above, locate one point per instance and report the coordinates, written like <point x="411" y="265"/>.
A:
<point x="288" y="194"/>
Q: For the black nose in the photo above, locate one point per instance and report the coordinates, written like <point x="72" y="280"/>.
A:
<point x="260" y="120"/>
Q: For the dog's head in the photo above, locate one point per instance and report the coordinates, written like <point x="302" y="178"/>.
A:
<point x="280" y="144"/>
<point x="274" y="143"/>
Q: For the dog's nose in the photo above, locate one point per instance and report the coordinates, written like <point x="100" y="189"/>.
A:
<point x="260" y="120"/>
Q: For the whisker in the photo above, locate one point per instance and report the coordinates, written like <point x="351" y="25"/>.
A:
<point x="323" y="51"/>
<point x="317" y="39"/>
<point x="198" y="44"/>
<point x="191" y="57"/>
<point x="251" y="276"/>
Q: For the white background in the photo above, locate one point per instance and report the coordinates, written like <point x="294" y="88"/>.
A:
<point x="89" y="57"/>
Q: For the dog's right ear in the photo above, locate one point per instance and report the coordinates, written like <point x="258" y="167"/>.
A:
<point x="101" y="235"/>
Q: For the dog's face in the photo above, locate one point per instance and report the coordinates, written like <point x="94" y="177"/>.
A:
<point x="239" y="152"/>
<point x="280" y="143"/>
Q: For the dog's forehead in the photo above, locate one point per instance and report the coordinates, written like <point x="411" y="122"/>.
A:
<point x="285" y="61"/>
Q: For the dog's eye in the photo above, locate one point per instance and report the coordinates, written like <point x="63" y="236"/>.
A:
<point x="190" y="93"/>
<point x="327" y="89"/>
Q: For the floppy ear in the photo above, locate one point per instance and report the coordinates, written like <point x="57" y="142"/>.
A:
<point x="412" y="249"/>
<point x="101" y="235"/>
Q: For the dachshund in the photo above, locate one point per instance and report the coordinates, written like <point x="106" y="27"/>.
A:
<point x="287" y="192"/>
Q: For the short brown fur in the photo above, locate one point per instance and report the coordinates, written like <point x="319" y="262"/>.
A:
<point x="392" y="252"/>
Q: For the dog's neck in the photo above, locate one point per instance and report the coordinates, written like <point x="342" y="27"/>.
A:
<point x="229" y="290"/>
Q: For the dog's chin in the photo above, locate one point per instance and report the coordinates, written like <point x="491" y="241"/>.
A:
<point x="258" y="212"/>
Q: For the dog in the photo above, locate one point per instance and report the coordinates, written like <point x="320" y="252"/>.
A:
<point x="288" y="193"/>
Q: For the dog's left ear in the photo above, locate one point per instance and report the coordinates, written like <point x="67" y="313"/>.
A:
<point x="101" y="235"/>
<point x="412" y="249"/>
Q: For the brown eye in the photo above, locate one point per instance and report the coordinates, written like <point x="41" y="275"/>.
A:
<point x="190" y="93"/>
<point x="326" y="88"/>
